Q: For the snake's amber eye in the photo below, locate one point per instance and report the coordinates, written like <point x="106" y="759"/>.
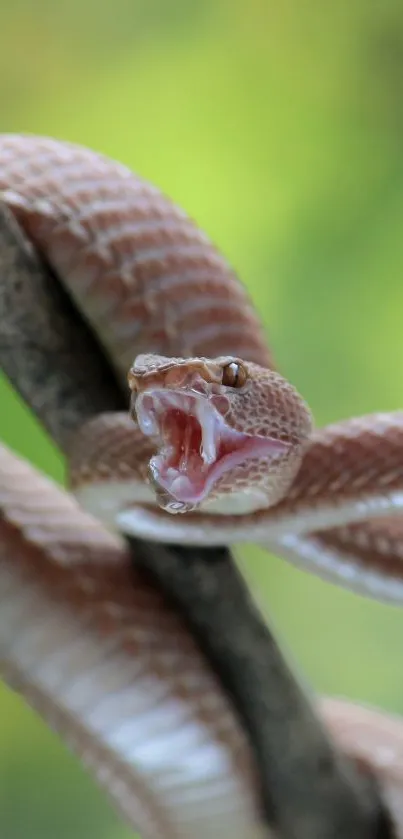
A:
<point x="234" y="375"/>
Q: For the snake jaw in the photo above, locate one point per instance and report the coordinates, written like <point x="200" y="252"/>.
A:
<point x="196" y="444"/>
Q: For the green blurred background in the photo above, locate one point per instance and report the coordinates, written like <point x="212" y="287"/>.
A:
<point x="279" y="127"/>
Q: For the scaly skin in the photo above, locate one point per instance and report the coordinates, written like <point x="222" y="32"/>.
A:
<point x="125" y="254"/>
<point x="149" y="281"/>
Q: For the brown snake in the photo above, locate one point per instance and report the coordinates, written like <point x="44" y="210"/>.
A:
<point x="230" y="445"/>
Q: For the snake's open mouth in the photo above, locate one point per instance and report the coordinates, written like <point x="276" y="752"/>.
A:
<point x="197" y="446"/>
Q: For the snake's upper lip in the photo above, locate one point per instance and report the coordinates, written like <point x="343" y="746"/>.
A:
<point x="197" y="445"/>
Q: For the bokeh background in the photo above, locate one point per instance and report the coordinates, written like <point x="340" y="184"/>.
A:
<point x="279" y="127"/>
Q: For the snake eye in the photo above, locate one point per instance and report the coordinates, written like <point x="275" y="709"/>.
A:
<point x="234" y="375"/>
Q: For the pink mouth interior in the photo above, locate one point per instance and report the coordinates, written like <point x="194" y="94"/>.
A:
<point x="197" y="447"/>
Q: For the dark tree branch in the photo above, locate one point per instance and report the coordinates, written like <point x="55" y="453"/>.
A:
<point x="46" y="350"/>
<point x="308" y="790"/>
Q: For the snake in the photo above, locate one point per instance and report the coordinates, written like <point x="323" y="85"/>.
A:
<point x="216" y="447"/>
<point x="214" y="433"/>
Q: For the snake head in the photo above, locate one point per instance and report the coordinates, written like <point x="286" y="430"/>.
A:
<point x="229" y="434"/>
